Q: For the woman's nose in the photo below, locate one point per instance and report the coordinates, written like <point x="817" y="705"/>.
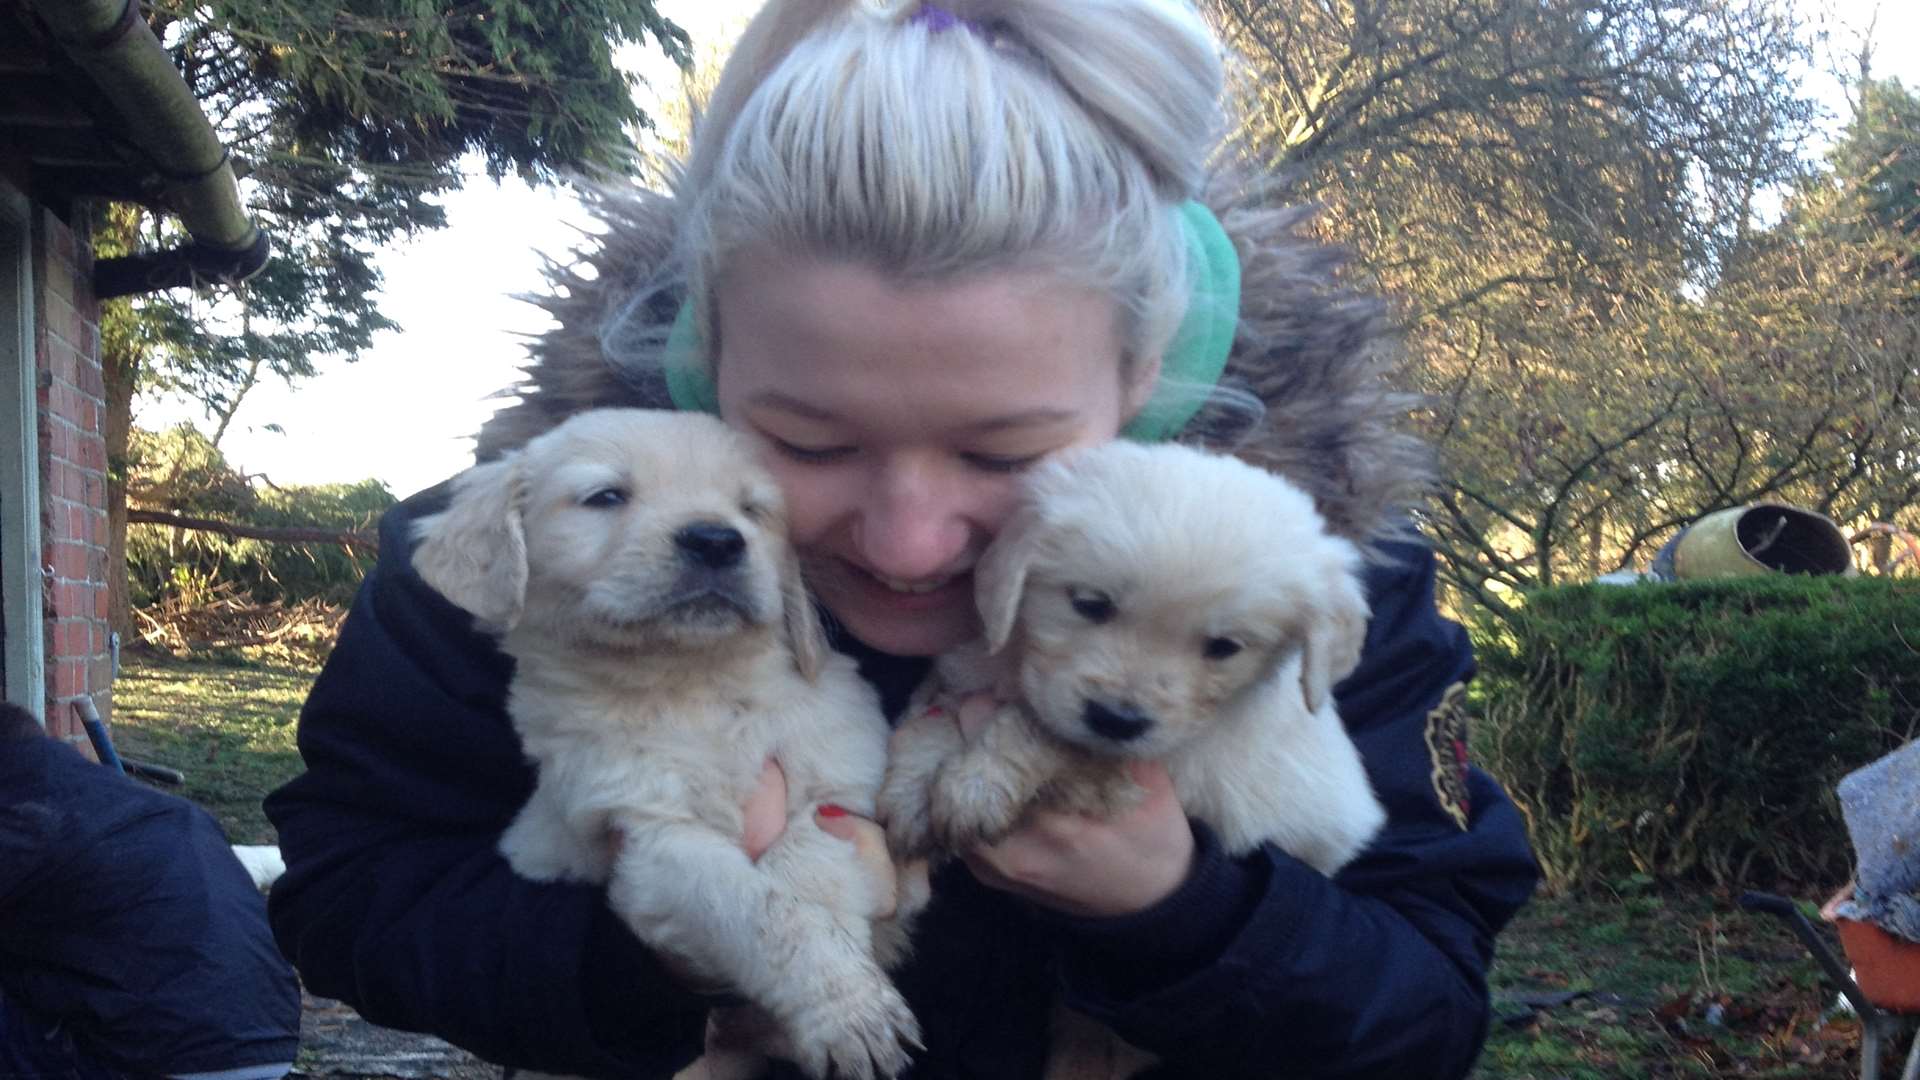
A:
<point x="914" y="525"/>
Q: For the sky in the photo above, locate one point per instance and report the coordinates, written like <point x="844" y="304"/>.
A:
<point x="406" y="412"/>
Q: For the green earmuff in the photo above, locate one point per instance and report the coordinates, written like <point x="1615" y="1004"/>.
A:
<point x="1194" y="359"/>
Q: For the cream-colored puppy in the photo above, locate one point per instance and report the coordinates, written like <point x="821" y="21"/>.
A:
<point x="1152" y="603"/>
<point x="634" y="564"/>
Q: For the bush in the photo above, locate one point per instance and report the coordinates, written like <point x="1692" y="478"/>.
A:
<point x="180" y="471"/>
<point x="1694" y="732"/>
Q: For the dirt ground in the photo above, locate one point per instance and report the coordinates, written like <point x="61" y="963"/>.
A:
<point x="336" y="1043"/>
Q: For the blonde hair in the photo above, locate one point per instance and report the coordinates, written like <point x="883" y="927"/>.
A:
<point x="1055" y="135"/>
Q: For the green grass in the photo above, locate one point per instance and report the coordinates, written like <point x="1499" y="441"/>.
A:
<point x="1660" y="986"/>
<point x="227" y="725"/>
<point x="1631" y="985"/>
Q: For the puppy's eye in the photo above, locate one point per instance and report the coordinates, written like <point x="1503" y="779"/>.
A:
<point x="605" y="498"/>
<point x="1092" y="604"/>
<point x="1220" y="648"/>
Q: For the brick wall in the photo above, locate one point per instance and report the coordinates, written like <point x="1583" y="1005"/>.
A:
<point x="73" y="474"/>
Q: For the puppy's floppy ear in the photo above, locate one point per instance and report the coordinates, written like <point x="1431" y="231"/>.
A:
<point x="805" y="636"/>
<point x="1001" y="576"/>
<point x="475" y="552"/>
<point x="1335" y="636"/>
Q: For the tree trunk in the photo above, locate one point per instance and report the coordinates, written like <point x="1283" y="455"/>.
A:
<point x="285" y="534"/>
<point x="118" y="373"/>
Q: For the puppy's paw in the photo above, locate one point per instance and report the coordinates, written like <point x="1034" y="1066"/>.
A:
<point x="974" y="803"/>
<point x="865" y="1036"/>
<point x="906" y="811"/>
<point x="539" y="851"/>
<point x="1103" y="795"/>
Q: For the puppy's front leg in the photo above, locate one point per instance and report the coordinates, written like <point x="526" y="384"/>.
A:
<point x="691" y="891"/>
<point x="981" y="792"/>
<point x="544" y="844"/>
<point x="923" y="742"/>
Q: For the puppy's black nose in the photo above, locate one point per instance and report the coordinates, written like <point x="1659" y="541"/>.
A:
<point x="1121" y="723"/>
<point x="711" y="544"/>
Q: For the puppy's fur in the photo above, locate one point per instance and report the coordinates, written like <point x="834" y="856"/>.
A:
<point x="1149" y="603"/>
<point x="635" y="567"/>
<point x="1153" y="603"/>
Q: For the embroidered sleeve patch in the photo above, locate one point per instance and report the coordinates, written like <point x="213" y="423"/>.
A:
<point x="1447" y="752"/>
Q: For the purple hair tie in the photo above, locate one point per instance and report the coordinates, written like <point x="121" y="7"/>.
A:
<point x="936" y="19"/>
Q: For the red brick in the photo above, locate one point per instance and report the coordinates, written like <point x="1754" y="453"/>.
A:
<point x="91" y="382"/>
<point x="60" y="320"/>
<point x="69" y="559"/>
<point x="60" y="243"/>
<point x="63" y="479"/>
<point x="99" y="603"/>
<point x="60" y="360"/>
<point x="66" y="677"/>
<point x="60" y="279"/>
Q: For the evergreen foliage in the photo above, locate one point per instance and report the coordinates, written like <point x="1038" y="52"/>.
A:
<point x="345" y="120"/>
<point x="1693" y="733"/>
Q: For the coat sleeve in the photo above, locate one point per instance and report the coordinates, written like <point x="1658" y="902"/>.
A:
<point x="395" y="899"/>
<point x="1276" y="970"/>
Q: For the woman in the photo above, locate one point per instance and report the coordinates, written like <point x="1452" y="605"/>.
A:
<point x="914" y="251"/>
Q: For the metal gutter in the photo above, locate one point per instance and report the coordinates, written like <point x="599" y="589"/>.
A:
<point x="113" y="44"/>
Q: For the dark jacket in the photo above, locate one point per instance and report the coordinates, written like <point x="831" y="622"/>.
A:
<point x="125" y="918"/>
<point x="396" y="901"/>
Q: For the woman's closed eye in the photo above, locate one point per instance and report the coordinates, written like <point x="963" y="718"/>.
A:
<point x="1000" y="463"/>
<point x="812" y="455"/>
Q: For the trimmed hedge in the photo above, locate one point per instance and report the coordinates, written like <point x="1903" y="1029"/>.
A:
<point x="1694" y="732"/>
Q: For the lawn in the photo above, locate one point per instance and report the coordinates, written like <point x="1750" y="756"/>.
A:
<point x="227" y="725"/>
<point x="1635" y="984"/>
<point x="1644" y="985"/>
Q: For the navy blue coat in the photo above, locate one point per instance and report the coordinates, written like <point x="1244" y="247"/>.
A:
<point x="125" y="918"/>
<point x="396" y="901"/>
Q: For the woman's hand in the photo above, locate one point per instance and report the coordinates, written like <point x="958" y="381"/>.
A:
<point x="1086" y="866"/>
<point x="766" y="819"/>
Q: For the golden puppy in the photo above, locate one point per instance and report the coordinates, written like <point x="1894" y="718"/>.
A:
<point x="634" y="564"/>
<point x="1152" y="603"/>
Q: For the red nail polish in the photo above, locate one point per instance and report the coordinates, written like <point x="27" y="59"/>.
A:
<point x="831" y="810"/>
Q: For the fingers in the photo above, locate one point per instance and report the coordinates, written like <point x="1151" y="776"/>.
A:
<point x="1088" y="866"/>
<point x="869" y="842"/>
<point x="975" y="711"/>
<point x="766" y="811"/>
<point x="1153" y="776"/>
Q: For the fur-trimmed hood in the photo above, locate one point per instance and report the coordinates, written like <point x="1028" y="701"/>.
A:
<point x="1317" y="354"/>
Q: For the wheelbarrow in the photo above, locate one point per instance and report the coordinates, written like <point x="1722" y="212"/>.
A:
<point x="1886" y="995"/>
